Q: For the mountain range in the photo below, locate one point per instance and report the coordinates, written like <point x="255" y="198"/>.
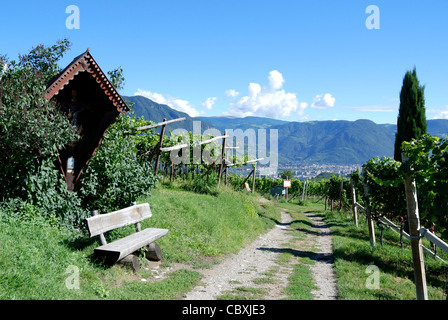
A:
<point x="336" y="142"/>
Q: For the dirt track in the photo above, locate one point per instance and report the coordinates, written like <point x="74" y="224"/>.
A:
<point x="260" y="257"/>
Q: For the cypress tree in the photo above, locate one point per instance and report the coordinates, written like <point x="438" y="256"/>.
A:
<point x="411" y="122"/>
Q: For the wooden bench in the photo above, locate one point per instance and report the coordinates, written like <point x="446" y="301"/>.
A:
<point x="117" y="250"/>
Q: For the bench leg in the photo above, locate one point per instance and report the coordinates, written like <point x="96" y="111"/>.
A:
<point x="153" y="252"/>
<point x="131" y="261"/>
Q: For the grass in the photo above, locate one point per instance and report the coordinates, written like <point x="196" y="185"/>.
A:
<point x="207" y="225"/>
<point x="354" y="255"/>
<point x="38" y="259"/>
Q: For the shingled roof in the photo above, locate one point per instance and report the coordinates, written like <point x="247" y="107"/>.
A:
<point x="86" y="63"/>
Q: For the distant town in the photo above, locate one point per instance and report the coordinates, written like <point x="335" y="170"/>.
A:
<point x="313" y="170"/>
<point x="302" y="171"/>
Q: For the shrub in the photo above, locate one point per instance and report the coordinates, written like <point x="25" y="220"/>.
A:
<point x="115" y="176"/>
<point x="30" y="126"/>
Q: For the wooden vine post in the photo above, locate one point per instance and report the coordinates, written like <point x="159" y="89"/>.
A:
<point x="253" y="177"/>
<point x="368" y="211"/>
<point x="157" y="150"/>
<point x="159" y="145"/>
<point x="223" y="151"/>
<point x="340" y="195"/>
<point x="354" y="208"/>
<point x="414" y="232"/>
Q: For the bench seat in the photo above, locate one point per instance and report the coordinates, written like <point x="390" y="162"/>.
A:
<point x="117" y="250"/>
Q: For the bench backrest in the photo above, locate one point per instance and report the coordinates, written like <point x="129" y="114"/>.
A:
<point x="105" y="222"/>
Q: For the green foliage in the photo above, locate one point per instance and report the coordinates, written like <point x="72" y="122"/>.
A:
<point x="115" y="177"/>
<point x="386" y="187"/>
<point x="428" y="165"/>
<point x="116" y="78"/>
<point x="30" y="126"/>
<point x="334" y="191"/>
<point x="287" y="174"/>
<point x="411" y="122"/>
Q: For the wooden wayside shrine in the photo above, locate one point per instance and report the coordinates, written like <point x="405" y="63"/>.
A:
<point x="89" y="100"/>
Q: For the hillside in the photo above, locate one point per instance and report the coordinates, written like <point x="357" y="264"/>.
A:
<point x="153" y="111"/>
<point x="335" y="142"/>
<point x="223" y="123"/>
<point x="315" y="142"/>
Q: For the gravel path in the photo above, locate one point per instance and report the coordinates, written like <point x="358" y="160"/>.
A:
<point x="241" y="269"/>
<point x="323" y="268"/>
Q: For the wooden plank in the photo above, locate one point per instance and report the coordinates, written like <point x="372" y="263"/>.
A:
<point x="117" y="250"/>
<point x="152" y="126"/>
<point x="210" y="140"/>
<point x="186" y="145"/>
<point x="177" y="147"/>
<point x="105" y="222"/>
<point x="434" y="239"/>
<point x="248" y="162"/>
<point x="102" y="238"/>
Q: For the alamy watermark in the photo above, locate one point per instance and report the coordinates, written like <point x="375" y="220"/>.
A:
<point x="373" y="20"/>
<point x="72" y="281"/>
<point x="249" y="144"/>
<point x="73" y="21"/>
<point x="373" y="281"/>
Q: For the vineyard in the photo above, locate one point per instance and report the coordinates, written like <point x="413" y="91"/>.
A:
<point x="385" y="192"/>
<point x="383" y="177"/>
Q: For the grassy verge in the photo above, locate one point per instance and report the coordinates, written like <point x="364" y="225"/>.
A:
<point x="205" y="225"/>
<point x="381" y="273"/>
<point x="40" y="261"/>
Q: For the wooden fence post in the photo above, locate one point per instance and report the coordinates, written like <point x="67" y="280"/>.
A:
<point x="253" y="178"/>
<point x="340" y="195"/>
<point x="222" y="158"/>
<point x="354" y="208"/>
<point x="414" y="232"/>
<point x="159" y="145"/>
<point x="326" y="200"/>
<point x="368" y="211"/>
<point x="303" y="190"/>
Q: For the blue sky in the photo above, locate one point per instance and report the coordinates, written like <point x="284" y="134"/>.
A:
<point x="294" y="60"/>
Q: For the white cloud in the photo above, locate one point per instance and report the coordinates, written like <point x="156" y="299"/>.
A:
<point x="273" y="101"/>
<point x="323" y="101"/>
<point x="440" y="114"/>
<point x="276" y="80"/>
<point x="231" y="93"/>
<point x="175" y="103"/>
<point x="209" y="103"/>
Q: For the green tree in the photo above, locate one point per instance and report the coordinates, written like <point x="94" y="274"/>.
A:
<point x="411" y="122"/>
<point x="287" y="174"/>
<point x="30" y="126"/>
